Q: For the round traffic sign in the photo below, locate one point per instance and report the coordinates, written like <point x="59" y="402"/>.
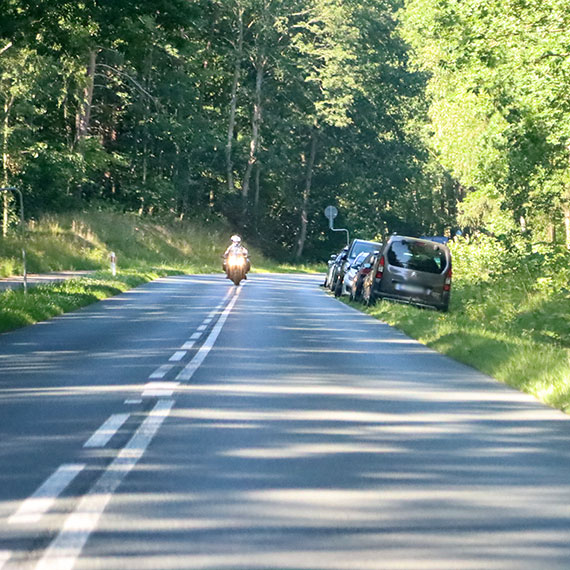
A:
<point x="331" y="212"/>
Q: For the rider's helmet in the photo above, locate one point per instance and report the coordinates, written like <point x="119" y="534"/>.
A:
<point x="236" y="240"/>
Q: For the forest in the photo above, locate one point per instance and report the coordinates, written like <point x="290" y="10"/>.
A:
<point x="410" y="116"/>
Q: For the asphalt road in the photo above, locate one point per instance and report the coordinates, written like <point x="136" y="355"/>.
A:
<point x="189" y="424"/>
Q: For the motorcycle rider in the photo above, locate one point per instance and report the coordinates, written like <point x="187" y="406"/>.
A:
<point x="237" y="248"/>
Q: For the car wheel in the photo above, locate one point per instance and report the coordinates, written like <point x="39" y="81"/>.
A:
<point x="369" y="300"/>
<point x="338" y="288"/>
<point x="357" y="295"/>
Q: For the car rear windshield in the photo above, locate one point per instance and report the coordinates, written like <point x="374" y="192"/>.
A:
<point x="420" y="256"/>
<point x="363" y="247"/>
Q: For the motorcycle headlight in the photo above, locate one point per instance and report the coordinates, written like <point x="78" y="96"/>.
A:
<point x="236" y="261"/>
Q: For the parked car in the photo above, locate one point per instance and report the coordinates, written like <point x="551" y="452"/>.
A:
<point x="411" y="270"/>
<point x="330" y="263"/>
<point x="354" y="287"/>
<point x="351" y="270"/>
<point x="356" y="246"/>
<point x="438" y="239"/>
<point x="335" y="263"/>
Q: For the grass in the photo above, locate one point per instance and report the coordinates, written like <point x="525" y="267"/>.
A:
<point x="509" y="328"/>
<point x="18" y="309"/>
<point x="145" y="250"/>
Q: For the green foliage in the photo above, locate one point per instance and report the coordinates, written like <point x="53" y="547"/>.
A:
<point x="128" y="104"/>
<point x="18" y="309"/>
<point x="509" y="316"/>
<point x="498" y="90"/>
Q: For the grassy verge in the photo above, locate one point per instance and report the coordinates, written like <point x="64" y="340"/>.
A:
<point x="513" y="325"/>
<point x="18" y="309"/>
<point x="145" y="250"/>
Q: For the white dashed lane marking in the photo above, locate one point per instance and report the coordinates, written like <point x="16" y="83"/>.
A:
<point x="188" y="371"/>
<point x="103" y="435"/>
<point x="161" y="371"/>
<point x="177" y="356"/>
<point x="159" y="389"/>
<point x="33" y="508"/>
<point x="5" y="555"/>
<point x="196" y="336"/>
<point x="63" y="552"/>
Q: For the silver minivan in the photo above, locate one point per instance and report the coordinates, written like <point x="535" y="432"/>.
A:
<point x="411" y="270"/>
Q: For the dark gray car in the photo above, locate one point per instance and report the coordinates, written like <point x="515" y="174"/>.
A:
<point x="411" y="270"/>
<point x="356" y="246"/>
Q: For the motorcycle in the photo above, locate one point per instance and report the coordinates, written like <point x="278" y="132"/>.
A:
<point x="236" y="267"/>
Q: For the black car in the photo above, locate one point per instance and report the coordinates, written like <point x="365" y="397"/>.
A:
<point x="355" y="285"/>
<point x="356" y="246"/>
<point x="335" y="261"/>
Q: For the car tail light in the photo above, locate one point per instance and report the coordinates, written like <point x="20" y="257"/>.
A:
<point x="447" y="283"/>
<point x="380" y="270"/>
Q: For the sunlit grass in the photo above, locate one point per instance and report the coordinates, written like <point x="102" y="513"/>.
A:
<point x="513" y="333"/>
<point x="145" y="249"/>
<point x="18" y="309"/>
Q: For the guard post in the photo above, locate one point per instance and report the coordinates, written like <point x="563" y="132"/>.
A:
<point x="113" y="259"/>
<point x="22" y="231"/>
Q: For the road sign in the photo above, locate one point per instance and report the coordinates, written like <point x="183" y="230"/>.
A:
<point x="331" y="213"/>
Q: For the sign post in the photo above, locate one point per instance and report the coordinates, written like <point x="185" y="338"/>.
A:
<point x="22" y="227"/>
<point x="331" y="213"/>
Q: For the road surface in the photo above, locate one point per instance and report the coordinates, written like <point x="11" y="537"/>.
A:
<point x="189" y="424"/>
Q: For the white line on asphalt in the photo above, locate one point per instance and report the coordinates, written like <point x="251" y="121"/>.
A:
<point x="161" y="371"/>
<point x="34" y="507"/>
<point x="208" y="320"/>
<point x="202" y="328"/>
<point x="196" y="336"/>
<point x="102" y="436"/>
<point x="133" y="401"/>
<point x="64" y="550"/>
<point x="5" y="555"/>
<point x="177" y="356"/>
<point x="188" y="371"/>
<point x="213" y="314"/>
<point x="159" y="389"/>
<point x="188" y="345"/>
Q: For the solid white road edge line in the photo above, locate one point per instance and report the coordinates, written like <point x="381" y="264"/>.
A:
<point x="63" y="552"/>
<point x="102" y="436"/>
<point x="188" y="371"/>
<point x="34" y="507"/>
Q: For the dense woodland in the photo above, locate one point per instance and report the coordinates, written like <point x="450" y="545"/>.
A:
<point x="416" y="116"/>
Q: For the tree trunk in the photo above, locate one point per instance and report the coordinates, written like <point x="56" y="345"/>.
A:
<point x="83" y="118"/>
<point x="551" y="230"/>
<point x="255" y="125"/>
<point x="5" y="163"/>
<point x="306" y="195"/>
<point x="256" y="198"/>
<point x="233" y="101"/>
<point x="566" y="210"/>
